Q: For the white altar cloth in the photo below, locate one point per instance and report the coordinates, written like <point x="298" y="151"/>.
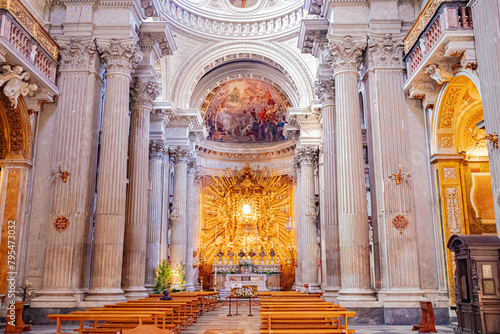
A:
<point x="246" y="279"/>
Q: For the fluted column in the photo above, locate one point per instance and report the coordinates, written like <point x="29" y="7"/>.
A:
<point x="391" y="149"/>
<point x="75" y="151"/>
<point x="330" y="227"/>
<point x="196" y="224"/>
<point x="344" y="55"/>
<point x="298" y="223"/>
<point x="166" y="172"/>
<point x="143" y="93"/>
<point x="156" y="151"/>
<point x="486" y="18"/>
<point x="120" y="56"/>
<point x="178" y="236"/>
<point x="309" y="246"/>
<point x="192" y="166"/>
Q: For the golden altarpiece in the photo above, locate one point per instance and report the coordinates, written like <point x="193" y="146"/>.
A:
<point x="246" y="229"/>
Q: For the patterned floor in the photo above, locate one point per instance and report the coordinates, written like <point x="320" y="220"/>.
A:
<point x="217" y="322"/>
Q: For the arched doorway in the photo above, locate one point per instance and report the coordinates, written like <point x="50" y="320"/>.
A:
<point x="461" y="166"/>
<point x="15" y="165"/>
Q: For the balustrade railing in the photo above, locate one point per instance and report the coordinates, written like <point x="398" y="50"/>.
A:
<point x="23" y="32"/>
<point x="449" y="16"/>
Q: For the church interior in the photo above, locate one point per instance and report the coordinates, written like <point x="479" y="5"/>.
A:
<point x="330" y="165"/>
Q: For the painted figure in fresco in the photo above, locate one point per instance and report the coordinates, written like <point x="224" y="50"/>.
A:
<point x="245" y="110"/>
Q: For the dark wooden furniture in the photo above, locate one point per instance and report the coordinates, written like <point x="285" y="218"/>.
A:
<point x="477" y="283"/>
<point x="427" y="324"/>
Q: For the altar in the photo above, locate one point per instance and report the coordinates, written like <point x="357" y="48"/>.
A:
<point x="259" y="280"/>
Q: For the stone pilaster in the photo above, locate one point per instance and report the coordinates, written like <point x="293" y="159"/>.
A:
<point x="178" y="236"/>
<point x="156" y="152"/>
<point x="329" y="224"/>
<point x="196" y="224"/>
<point x="391" y="149"/>
<point x="75" y="151"/>
<point x="120" y="57"/>
<point x="298" y="223"/>
<point x="308" y="246"/>
<point x="486" y="18"/>
<point x="192" y="166"/>
<point x="344" y="55"/>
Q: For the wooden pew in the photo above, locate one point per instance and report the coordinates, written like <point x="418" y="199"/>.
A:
<point x="182" y="319"/>
<point x="163" y="318"/>
<point x="305" y="322"/>
<point x="137" y="318"/>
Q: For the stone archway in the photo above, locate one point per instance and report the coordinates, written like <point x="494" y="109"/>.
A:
<point x="461" y="164"/>
<point x="15" y="165"/>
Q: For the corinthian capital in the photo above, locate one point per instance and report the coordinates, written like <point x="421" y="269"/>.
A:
<point x="325" y="91"/>
<point x="180" y="155"/>
<point x="344" y="54"/>
<point x="120" y="55"/>
<point x="385" y="51"/>
<point x="306" y="154"/>
<point x="76" y="53"/>
<point x="143" y="93"/>
<point x="156" y="149"/>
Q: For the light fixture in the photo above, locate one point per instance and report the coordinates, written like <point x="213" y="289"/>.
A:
<point x="399" y="176"/>
<point x="246" y="209"/>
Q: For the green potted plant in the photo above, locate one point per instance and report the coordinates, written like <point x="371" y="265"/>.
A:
<point x="163" y="277"/>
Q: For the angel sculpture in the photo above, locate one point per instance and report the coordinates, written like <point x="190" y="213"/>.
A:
<point x="15" y="85"/>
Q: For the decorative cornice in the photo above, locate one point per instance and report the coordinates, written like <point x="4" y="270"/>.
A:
<point x="143" y="93"/>
<point x="271" y="152"/>
<point x="120" y="56"/>
<point x="325" y="91"/>
<point x="385" y="51"/>
<point x="345" y="54"/>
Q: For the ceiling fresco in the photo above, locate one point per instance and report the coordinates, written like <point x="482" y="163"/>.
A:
<point x="245" y="110"/>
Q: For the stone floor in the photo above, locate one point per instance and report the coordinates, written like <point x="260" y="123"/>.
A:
<point x="217" y="322"/>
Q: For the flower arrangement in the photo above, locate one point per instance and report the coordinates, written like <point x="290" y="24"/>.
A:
<point x="246" y="262"/>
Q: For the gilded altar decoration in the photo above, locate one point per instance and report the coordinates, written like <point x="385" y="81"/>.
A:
<point x="400" y="223"/>
<point x="247" y="210"/>
<point x="61" y="223"/>
<point x="64" y="175"/>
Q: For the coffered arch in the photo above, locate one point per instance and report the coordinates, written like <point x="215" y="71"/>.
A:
<point x="293" y="70"/>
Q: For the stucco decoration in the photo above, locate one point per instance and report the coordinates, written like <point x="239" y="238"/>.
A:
<point x="14" y="79"/>
<point x="245" y="110"/>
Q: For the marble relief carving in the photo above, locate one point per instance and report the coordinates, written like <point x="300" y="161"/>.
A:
<point x="325" y="91"/>
<point x="14" y="82"/>
<point x="446" y="141"/>
<point x="450" y="173"/>
<point x="77" y="53"/>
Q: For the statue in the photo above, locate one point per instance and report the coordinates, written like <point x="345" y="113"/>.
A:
<point x="241" y="254"/>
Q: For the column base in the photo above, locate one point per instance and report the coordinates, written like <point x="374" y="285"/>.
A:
<point x="356" y="295"/>
<point x="54" y="299"/>
<point x="190" y="287"/>
<point x="103" y="296"/>
<point x="402" y="298"/>
<point x="150" y="288"/>
<point x="135" y="292"/>
<point x="330" y="293"/>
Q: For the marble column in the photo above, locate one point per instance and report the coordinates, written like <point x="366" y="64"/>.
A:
<point x="166" y="172"/>
<point x="344" y="55"/>
<point x="308" y="245"/>
<point x="391" y="149"/>
<point x="192" y="166"/>
<point x="298" y="224"/>
<point x="66" y="264"/>
<point x="178" y="236"/>
<point x="156" y="152"/>
<point x="330" y="227"/>
<point x="143" y="93"/>
<point x="486" y="18"/>
<point x="120" y="56"/>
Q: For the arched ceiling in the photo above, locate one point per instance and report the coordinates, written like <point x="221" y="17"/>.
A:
<point x="223" y="19"/>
